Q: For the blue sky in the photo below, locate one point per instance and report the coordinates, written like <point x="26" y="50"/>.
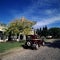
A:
<point x="45" y="12"/>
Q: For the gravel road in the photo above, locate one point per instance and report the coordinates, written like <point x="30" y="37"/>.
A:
<point x="51" y="51"/>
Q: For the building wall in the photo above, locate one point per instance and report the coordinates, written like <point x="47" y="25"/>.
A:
<point x="2" y="29"/>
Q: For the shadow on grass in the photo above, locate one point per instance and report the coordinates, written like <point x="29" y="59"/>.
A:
<point x="54" y="44"/>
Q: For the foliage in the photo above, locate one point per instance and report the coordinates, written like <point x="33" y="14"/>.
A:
<point x="54" y="32"/>
<point x="42" y="32"/>
<point x="19" y="26"/>
<point x="39" y="31"/>
<point x="13" y="28"/>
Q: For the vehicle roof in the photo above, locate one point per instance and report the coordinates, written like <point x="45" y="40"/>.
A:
<point x="33" y="36"/>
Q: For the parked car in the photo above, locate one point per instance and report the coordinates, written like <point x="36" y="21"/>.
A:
<point x="34" y="41"/>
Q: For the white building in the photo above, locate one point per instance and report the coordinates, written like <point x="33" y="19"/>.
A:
<point x="2" y="29"/>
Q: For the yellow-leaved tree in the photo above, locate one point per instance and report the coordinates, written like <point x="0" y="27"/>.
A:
<point x="19" y="26"/>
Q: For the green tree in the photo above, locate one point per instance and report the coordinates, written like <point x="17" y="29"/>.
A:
<point x="19" y="26"/>
<point x="55" y="32"/>
<point x="44" y="31"/>
<point x="38" y="31"/>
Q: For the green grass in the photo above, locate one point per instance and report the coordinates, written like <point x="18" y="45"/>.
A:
<point x="10" y="45"/>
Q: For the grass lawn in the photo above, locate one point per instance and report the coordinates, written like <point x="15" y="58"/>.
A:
<point x="9" y="45"/>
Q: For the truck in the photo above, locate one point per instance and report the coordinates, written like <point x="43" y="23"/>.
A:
<point x="34" y="41"/>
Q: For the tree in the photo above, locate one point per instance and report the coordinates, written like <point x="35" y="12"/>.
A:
<point x="44" y="31"/>
<point x="38" y="31"/>
<point x="19" y="26"/>
<point x="55" y="32"/>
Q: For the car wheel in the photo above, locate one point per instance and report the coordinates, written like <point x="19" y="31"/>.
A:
<point x="43" y="43"/>
<point x="36" y="47"/>
<point x="28" y="44"/>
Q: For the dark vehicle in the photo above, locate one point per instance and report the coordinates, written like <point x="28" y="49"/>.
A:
<point x="34" y="41"/>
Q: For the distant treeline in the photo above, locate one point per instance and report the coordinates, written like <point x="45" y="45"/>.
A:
<point x="54" y="32"/>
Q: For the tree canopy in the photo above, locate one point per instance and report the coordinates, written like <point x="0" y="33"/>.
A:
<point x="20" y="26"/>
<point x="54" y="32"/>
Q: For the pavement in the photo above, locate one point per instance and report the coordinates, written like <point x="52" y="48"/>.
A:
<point x="51" y="51"/>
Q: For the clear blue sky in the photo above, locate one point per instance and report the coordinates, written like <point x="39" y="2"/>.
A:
<point x="45" y="12"/>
